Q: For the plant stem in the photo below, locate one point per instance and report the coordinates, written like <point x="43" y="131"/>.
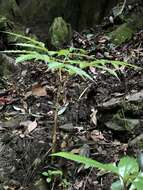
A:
<point x="55" y="128"/>
<point x="54" y="135"/>
<point x="125" y="186"/>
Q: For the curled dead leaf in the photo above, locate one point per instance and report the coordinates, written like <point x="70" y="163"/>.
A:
<point x="39" y="90"/>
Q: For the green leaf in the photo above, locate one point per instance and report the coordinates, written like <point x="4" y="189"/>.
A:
<point x="26" y="57"/>
<point x="45" y="174"/>
<point x="127" y="166"/>
<point x="116" y="185"/>
<point x="72" y="49"/>
<point x="43" y="57"/>
<point x="137" y="183"/>
<point x="17" y="51"/>
<point x="119" y="63"/>
<point x="48" y="180"/>
<point x="26" y="38"/>
<point x="110" y="71"/>
<point x="52" y="53"/>
<point x="63" y="52"/>
<point x="78" y="71"/>
<point x="56" y="65"/>
<point x="78" y="158"/>
<point x="82" y="64"/>
<point x="32" y="46"/>
<point x="56" y="172"/>
<point x="87" y="161"/>
<point x="33" y="55"/>
<point x="111" y="167"/>
<point x="55" y="62"/>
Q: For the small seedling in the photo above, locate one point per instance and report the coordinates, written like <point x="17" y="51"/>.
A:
<point x="52" y="175"/>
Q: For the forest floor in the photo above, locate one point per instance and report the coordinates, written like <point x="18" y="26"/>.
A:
<point x="27" y="104"/>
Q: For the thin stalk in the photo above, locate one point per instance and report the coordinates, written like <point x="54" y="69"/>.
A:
<point x="125" y="188"/>
<point x="56" y="127"/>
<point x="123" y="184"/>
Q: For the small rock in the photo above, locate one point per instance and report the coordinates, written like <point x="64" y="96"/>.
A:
<point x="136" y="141"/>
<point x="119" y="124"/>
<point x="60" y="32"/>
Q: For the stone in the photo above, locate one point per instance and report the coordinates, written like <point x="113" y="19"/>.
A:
<point x="118" y="123"/>
<point x="60" y="32"/>
<point x="137" y="141"/>
<point x="7" y="66"/>
<point x="123" y="33"/>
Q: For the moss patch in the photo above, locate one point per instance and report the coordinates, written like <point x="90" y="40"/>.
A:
<point x="125" y="31"/>
<point x="121" y="34"/>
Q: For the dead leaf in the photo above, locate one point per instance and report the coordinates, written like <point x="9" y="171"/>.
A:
<point x="63" y="109"/>
<point x="23" y="73"/>
<point x="32" y="125"/>
<point x="27" y="94"/>
<point x="29" y="126"/>
<point x="93" y="116"/>
<point x="75" y="151"/>
<point x="38" y="90"/>
<point x="78" y="184"/>
<point x="103" y="39"/>
<point x="21" y="135"/>
<point x="19" y="109"/>
<point x="96" y="135"/>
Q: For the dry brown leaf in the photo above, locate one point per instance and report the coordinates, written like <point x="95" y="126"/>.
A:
<point x="38" y="90"/>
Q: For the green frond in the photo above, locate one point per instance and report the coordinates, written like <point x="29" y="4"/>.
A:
<point x="17" y="51"/>
<point x="56" y="65"/>
<point x="26" y="38"/>
<point x="26" y="57"/>
<point x="32" y="46"/>
<point x="78" y="71"/>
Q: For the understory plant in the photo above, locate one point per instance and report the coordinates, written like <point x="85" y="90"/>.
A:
<point x="129" y="175"/>
<point x="52" y="175"/>
<point x="69" y="61"/>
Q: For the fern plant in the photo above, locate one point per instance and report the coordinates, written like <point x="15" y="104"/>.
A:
<point x="71" y="60"/>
